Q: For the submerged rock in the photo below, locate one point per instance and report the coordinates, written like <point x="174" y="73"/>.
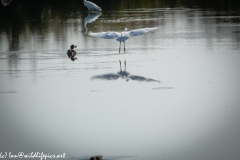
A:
<point x="96" y="158"/>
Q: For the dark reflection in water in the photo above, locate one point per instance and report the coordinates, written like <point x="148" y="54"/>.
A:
<point x="35" y="22"/>
<point x="3" y="92"/>
<point x="124" y="75"/>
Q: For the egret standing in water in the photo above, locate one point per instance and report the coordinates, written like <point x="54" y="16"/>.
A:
<point x="91" y="6"/>
<point x="122" y="36"/>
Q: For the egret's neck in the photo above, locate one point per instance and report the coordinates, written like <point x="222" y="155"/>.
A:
<point x="85" y="23"/>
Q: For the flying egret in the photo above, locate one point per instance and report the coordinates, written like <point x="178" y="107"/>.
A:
<point x="91" y="6"/>
<point x="89" y="19"/>
<point x="122" y="36"/>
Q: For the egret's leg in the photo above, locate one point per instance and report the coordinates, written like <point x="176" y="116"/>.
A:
<point x="120" y="65"/>
<point x="119" y="47"/>
<point x="125" y="64"/>
<point x="124" y="47"/>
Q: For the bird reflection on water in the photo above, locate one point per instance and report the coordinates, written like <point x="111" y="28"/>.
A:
<point x="89" y="19"/>
<point x="124" y="74"/>
<point x="12" y="55"/>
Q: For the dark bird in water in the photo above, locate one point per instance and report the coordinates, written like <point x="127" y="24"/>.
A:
<point x="12" y="55"/>
<point x="96" y="158"/>
<point x="124" y="74"/>
<point x="72" y="53"/>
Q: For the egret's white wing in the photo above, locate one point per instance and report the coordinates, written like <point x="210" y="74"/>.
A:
<point x="92" y="17"/>
<point x="105" y="35"/>
<point x="92" y="6"/>
<point x="138" y="32"/>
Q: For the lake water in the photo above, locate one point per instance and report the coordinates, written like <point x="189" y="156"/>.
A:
<point x="51" y="104"/>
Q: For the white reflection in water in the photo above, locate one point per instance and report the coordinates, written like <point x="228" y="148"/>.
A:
<point x="89" y="19"/>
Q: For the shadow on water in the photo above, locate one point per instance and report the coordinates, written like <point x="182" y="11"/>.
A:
<point x="9" y="91"/>
<point x="124" y="75"/>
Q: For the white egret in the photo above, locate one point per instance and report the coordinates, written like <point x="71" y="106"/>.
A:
<point x="89" y="19"/>
<point x="122" y="36"/>
<point x="91" y="6"/>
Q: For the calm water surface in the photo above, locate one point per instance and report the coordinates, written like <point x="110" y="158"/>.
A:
<point x="51" y="104"/>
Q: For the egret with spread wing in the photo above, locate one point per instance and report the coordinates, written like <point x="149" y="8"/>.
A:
<point x="121" y="36"/>
<point x="91" y="6"/>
